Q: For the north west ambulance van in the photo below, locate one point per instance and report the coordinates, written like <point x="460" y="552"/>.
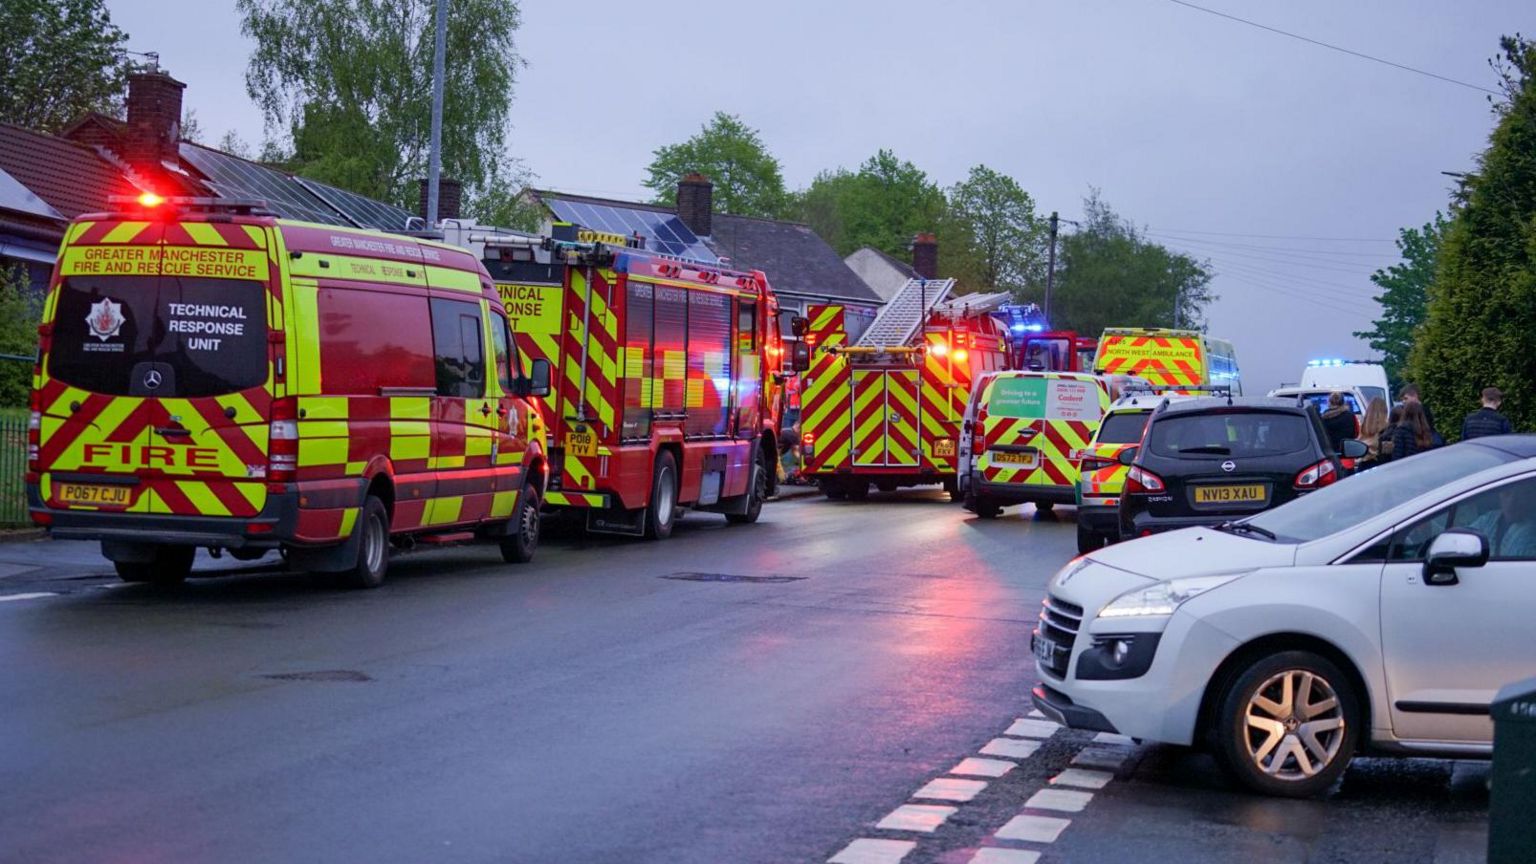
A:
<point x="1170" y="358"/>
<point x="211" y="376"/>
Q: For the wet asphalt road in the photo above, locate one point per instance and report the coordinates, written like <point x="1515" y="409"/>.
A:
<point x="615" y="701"/>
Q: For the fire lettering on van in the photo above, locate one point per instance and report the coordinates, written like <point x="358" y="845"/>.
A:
<point x="150" y="456"/>
<point x="195" y="261"/>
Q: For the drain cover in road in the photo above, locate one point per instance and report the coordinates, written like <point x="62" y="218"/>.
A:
<point x="729" y="577"/>
<point x="322" y="675"/>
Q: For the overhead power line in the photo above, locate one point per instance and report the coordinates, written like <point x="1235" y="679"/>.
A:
<point x="1282" y="236"/>
<point x="1338" y="48"/>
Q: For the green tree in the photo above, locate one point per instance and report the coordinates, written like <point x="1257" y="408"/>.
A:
<point x="998" y="230"/>
<point x="747" y="179"/>
<point x="1404" y="294"/>
<point x="351" y="82"/>
<point x="58" y="60"/>
<point x="20" y="310"/>
<point x="1480" y="329"/>
<point x="1112" y="276"/>
<point x="883" y="204"/>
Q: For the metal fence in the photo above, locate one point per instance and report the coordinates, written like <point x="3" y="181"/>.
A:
<point x="13" y="467"/>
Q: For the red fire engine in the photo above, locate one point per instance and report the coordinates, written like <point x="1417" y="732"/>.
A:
<point x="886" y="408"/>
<point x="667" y="394"/>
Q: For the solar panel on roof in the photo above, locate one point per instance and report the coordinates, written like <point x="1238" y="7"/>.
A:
<point x="663" y="232"/>
<point x="14" y="196"/>
<point x="366" y="212"/>
<point x="233" y="177"/>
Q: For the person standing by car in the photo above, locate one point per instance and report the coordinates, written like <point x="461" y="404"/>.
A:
<point x="1338" y="422"/>
<point x="1394" y="419"/>
<point x="1413" y="435"/>
<point x="1487" y="420"/>
<point x="1410" y="393"/>
<point x="1371" y="430"/>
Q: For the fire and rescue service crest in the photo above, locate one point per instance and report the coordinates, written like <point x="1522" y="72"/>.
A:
<point x="105" y="318"/>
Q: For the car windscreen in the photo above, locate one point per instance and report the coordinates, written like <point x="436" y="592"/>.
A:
<point x="159" y="335"/>
<point x="1373" y="393"/>
<point x="1124" y="427"/>
<point x="1229" y="434"/>
<point x="1348" y="503"/>
<point x="1320" y="402"/>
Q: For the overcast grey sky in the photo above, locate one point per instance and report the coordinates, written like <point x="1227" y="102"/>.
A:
<point x="1187" y="122"/>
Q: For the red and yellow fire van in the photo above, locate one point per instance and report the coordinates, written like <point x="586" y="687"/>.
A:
<point x="211" y="376"/>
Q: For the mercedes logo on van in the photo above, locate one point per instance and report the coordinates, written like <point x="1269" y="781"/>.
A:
<point x="152" y="380"/>
<point x="1229" y="466"/>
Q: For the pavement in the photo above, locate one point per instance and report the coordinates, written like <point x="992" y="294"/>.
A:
<point x="840" y="682"/>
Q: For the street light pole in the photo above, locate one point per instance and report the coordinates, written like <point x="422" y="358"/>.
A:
<point x="435" y="157"/>
<point x="1050" y="267"/>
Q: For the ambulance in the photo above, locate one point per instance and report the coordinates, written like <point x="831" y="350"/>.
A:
<point x="671" y="387"/>
<point x="1169" y="358"/>
<point x="1022" y="434"/>
<point x="210" y="376"/>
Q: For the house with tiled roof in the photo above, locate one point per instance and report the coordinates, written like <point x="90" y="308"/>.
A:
<point x="802" y="268"/>
<point x="46" y="180"/>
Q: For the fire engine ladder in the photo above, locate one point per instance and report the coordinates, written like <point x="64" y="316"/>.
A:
<point x="897" y="323"/>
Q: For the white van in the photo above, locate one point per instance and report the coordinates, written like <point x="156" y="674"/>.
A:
<point x="1366" y="378"/>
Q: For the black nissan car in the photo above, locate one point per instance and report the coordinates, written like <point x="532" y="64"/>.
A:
<point x="1213" y="460"/>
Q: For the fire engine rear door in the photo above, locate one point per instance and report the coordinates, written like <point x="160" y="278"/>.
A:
<point x="901" y="418"/>
<point x="885" y="418"/>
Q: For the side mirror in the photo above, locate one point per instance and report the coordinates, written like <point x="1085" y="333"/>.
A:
<point x="798" y="325"/>
<point x="1128" y="456"/>
<point x="1458" y="547"/>
<point x="1353" y="449"/>
<point x="799" y="356"/>
<point x="537" y="382"/>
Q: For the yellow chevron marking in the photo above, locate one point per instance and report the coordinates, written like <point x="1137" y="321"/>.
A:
<point x="204" y="234"/>
<point x="124" y="231"/>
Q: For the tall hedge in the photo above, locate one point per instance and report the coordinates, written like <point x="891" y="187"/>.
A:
<point x="1480" y="329"/>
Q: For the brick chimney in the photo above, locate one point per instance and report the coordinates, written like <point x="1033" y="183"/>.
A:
<point x="925" y="255"/>
<point x="696" y="203"/>
<point x="450" y="195"/>
<point x="153" y="132"/>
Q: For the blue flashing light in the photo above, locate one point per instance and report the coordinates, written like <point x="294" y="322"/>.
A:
<point x="1019" y="327"/>
<point x="1035" y="328"/>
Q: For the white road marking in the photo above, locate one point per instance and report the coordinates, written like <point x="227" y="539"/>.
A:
<point x="1098" y="757"/>
<point x="1033" y="829"/>
<point x="1063" y="800"/>
<point x="1035" y="713"/>
<point x="951" y="789"/>
<point x="1033" y="728"/>
<point x="33" y="596"/>
<point x="975" y="767"/>
<point x="917" y="817"/>
<point x="867" y="851"/>
<point x="994" y="855"/>
<point x="1112" y="738"/>
<point x="1013" y="748"/>
<point x="1082" y="778"/>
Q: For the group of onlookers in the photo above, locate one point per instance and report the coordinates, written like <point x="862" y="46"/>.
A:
<point x="1408" y="427"/>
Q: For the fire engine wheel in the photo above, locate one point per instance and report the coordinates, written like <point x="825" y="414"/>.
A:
<point x="372" y="547"/>
<point x="662" y="513"/>
<point x="832" y="490"/>
<point x="170" y="566"/>
<point x="758" y="493"/>
<point x="952" y="486"/>
<point x="522" y="538"/>
<point x="1045" y="506"/>
<point x="857" y="490"/>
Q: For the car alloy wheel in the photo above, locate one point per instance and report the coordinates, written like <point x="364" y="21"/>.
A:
<point x="1295" y="725"/>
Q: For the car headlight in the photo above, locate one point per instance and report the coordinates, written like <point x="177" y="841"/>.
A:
<point x="1161" y="599"/>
